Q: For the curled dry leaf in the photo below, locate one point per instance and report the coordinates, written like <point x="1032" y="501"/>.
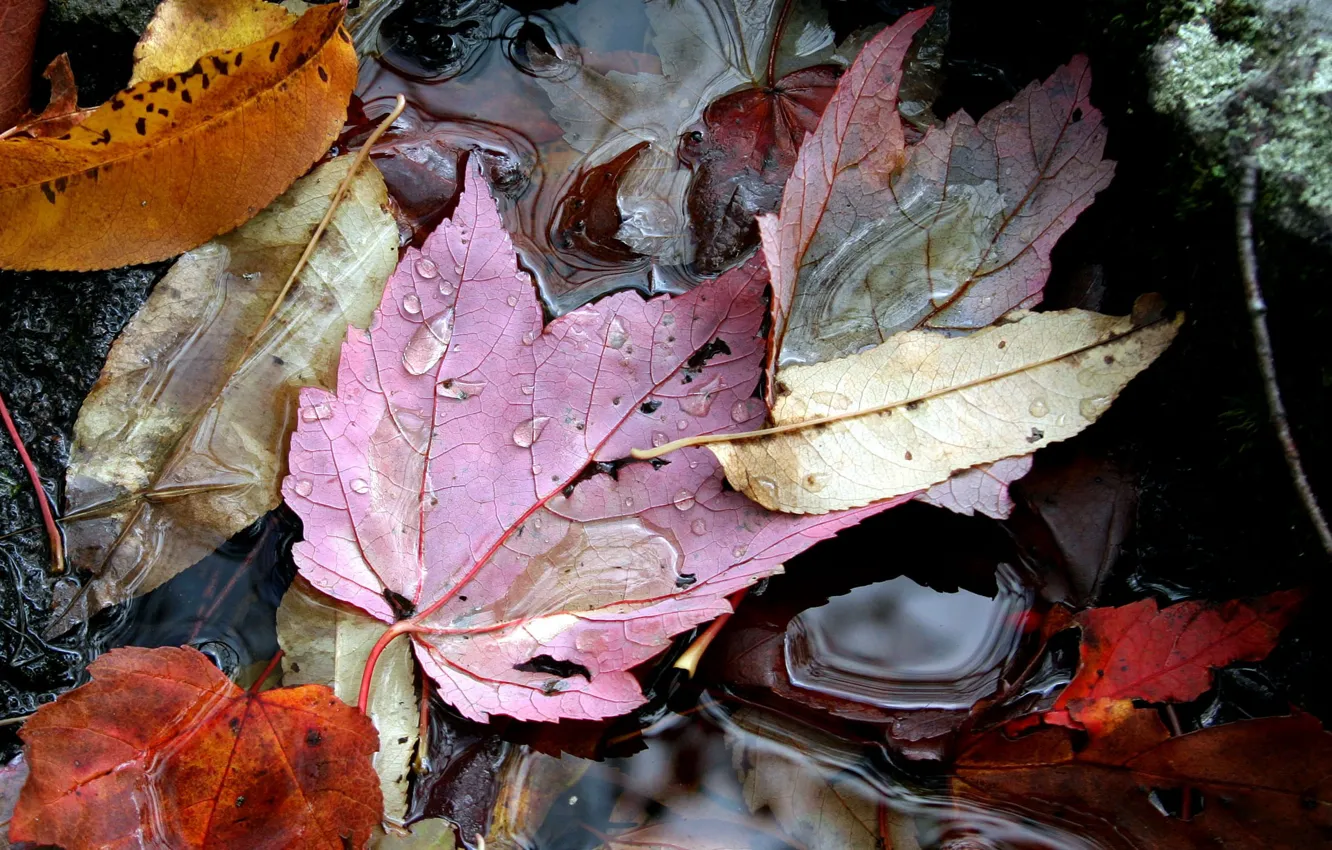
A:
<point x="874" y="238"/>
<point x="62" y="113"/>
<point x="326" y="642"/>
<point x="183" y="30"/>
<point x="909" y="413"/>
<point x="178" y="445"/>
<point x="469" y="475"/>
<point x="162" y="750"/>
<point x="1137" y="652"/>
<point x="169" y="163"/>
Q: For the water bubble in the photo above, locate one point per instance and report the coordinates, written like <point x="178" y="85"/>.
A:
<point x="530" y="337"/>
<point x="1092" y="408"/>
<point x="699" y="527"/>
<point x="1038" y="408"/>
<point x="739" y="551"/>
<point x="683" y="500"/>
<point x="682" y="425"/>
<point x="767" y="487"/>
<point x="746" y="409"/>
<point x="360" y="485"/>
<point x="527" y="432"/>
<point x="536" y="469"/>
<point x="616" y="335"/>
<point x="512" y="300"/>
<point x="428" y="343"/>
<point x="659" y="439"/>
<point x="445" y="289"/>
<point x="628" y="502"/>
<point x="528" y="390"/>
<point x="411" y="304"/>
<point x="304" y="487"/>
<point x="426" y="268"/>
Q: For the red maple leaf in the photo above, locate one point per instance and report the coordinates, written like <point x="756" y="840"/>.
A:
<point x="162" y="750"/>
<point x="1139" y="652"/>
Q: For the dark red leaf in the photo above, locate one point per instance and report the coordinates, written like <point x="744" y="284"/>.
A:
<point x="1138" y="652"/>
<point x="741" y="154"/>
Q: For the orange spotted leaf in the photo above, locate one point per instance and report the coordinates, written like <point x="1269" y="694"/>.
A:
<point x="169" y="163"/>
<point x="1139" y="652"/>
<point x="162" y="750"/>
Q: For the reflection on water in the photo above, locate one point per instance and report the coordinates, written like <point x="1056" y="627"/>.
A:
<point x="773" y="781"/>
<point x="473" y="83"/>
<point x="897" y="644"/>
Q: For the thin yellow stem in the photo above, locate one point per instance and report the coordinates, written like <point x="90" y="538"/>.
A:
<point x="361" y="156"/>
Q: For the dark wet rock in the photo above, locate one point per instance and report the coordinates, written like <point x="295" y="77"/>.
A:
<point x="125" y="16"/>
<point x="56" y="329"/>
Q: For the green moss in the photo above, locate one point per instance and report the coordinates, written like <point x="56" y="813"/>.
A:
<point x="1249" y="82"/>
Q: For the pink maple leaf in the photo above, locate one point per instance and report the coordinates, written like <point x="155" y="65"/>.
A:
<point x="468" y="475"/>
<point x="875" y="237"/>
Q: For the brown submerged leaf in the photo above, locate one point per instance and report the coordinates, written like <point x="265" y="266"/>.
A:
<point x="1255" y="784"/>
<point x="179" y="445"/>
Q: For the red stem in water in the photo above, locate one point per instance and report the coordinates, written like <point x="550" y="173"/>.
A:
<point x="43" y="505"/>
<point x="268" y="671"/>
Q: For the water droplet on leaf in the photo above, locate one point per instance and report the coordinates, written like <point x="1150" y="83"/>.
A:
<point x="304" y="487"/>
<point x="616" y="335"/>
<point x="684" y="500"/>
<point x="360" y="485"/>
<point x="1038" y="408"/>
<point x="426" y="268"/>
<point x="411" y="304"/>
<point x="527" y="432"/>
<point x="427" y="346"/>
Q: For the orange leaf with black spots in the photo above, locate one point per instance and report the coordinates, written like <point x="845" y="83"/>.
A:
<point x="169" y="163"/>
<point x="162" y="750"/>
<point x="1139" y="652"/>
